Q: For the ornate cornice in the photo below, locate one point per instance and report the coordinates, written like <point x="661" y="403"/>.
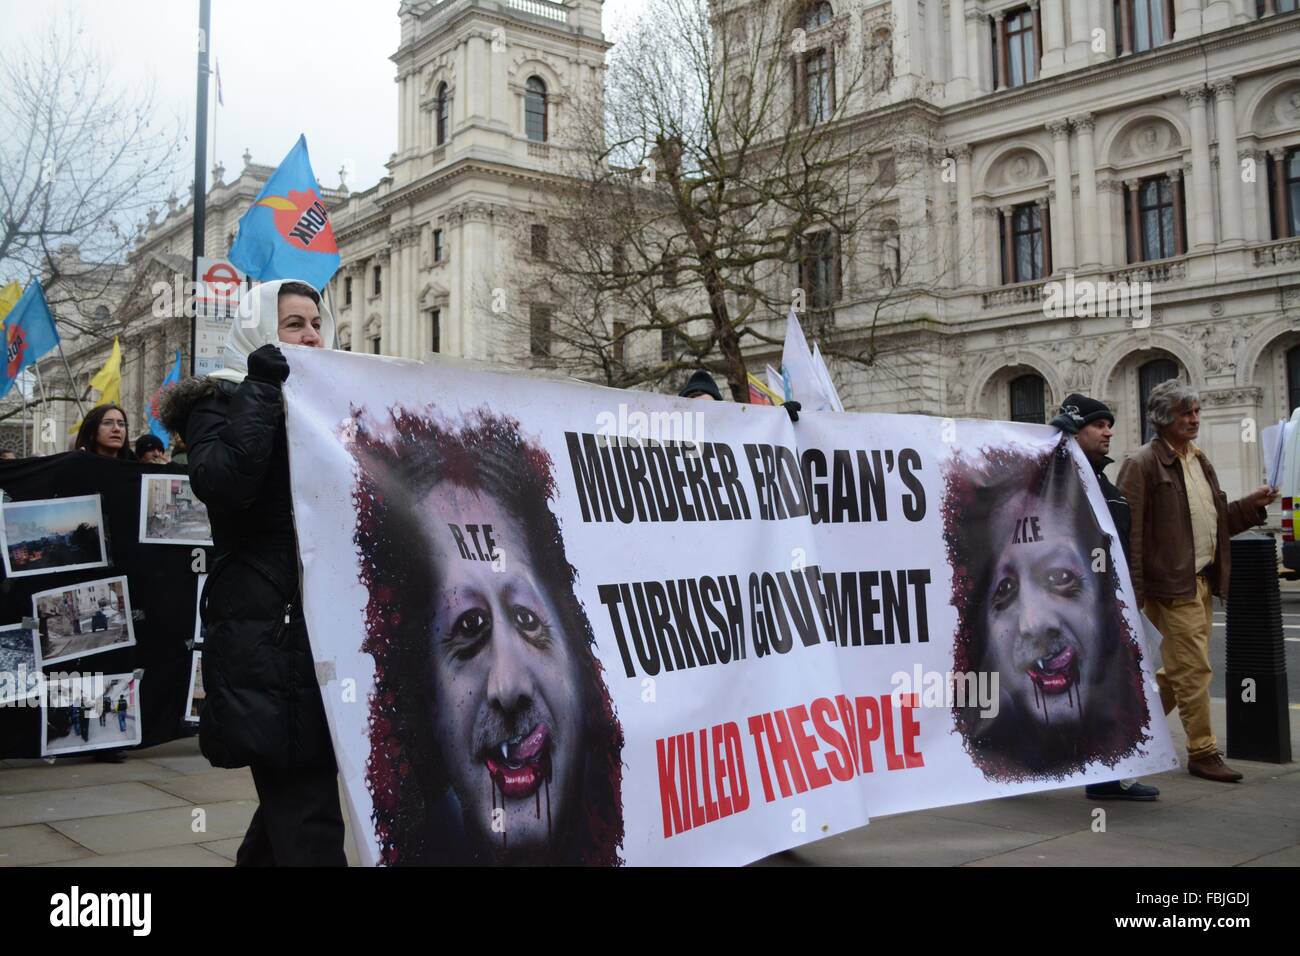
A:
<point x="1247" y="395"/>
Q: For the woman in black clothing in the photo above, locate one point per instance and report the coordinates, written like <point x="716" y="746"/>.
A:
<point x="105" y="432"/>
<point x="263" y="707"/>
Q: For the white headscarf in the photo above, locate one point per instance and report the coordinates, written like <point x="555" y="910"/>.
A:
<point x="258" y="323"/>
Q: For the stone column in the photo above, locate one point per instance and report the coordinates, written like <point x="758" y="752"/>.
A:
<point x="959" y="82"/>
<point x="1110" y="214"/>
<point x="1187" y="19"/>
<point x="460" y="105"/>
<point x="986" y="242"/>
<point x="1132" y="222"/>
<point x="1006" y="247"/>
<point x="385" y="260"/>
<point x="356" y="270"/>
<point x="977" y="53"/>
<point x="1045" y="217"/>
<point x="1000" y="50"/>
<point x="909" y="40"/>
<point x="1089" y="208"/>
<point x="1255" y="210"/>
<point x="941" y="208"/>
<point x="1053" y="36"/>
<point x="934" y="33"/>
<point x="1077" y="53"/>
<point x="1202" y="225"/>
<point x="415" y="340"/>
<point x="965" y="217"/>
<point x="1036" y="11"/>
<point x="1230" y="191"/>
<point x="1175" y="177"/>
<point x="1063" y="227"/>
<point x="914" y="229"/>
<point x="1277" y="220"/>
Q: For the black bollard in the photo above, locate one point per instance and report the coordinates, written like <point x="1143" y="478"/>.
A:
<point x="1258" y="725"/>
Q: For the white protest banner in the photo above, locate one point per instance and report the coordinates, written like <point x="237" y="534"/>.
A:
<point x="568" y="624"/>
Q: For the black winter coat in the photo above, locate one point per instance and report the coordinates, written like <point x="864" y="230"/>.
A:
<point x="1120" y="512"/>
<point x="263" y="705"/>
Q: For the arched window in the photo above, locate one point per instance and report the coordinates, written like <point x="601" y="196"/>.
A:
<point x="817" y="14"/>
<point x="102" y="315"/>
<point x="442" y="111"/>
<point x="1292" y="380"/>
<point x="535" y="109"/>
<point x="1151" y="374"/>
<point x="1029" y="399"/>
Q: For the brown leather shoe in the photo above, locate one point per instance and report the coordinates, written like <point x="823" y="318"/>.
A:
<point x="1213" y="768"/>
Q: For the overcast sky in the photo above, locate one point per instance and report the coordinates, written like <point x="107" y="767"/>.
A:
<point x="320" y="67"/>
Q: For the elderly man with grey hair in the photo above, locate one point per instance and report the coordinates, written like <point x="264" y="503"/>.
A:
<point x="1179" y="558"/>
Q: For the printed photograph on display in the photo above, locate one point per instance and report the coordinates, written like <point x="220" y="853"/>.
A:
<point x="196" y="694"/>
<point x="19" y="669"/>
<point x="91" y="713"/>
<point x="53" y="534"/>
<point x="81" y="619"/>
<point x="170" y="513"/>
<point x="199" y="629"/>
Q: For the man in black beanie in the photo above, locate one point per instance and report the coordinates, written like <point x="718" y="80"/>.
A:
<point x="1092" y="423"/>
<point x="701" y="385"/>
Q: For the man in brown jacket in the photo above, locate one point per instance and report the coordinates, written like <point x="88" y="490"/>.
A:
<point x="1179" y="557"/>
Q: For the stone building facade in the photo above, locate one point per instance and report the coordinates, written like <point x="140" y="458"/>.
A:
<point x="1095" y="140"/>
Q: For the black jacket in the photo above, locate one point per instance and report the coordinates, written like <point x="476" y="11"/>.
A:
<point x="1120" y="512"/>
<point x="263" y="706"/>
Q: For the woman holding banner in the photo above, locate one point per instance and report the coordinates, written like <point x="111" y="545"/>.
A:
<point x="263" y="707"/>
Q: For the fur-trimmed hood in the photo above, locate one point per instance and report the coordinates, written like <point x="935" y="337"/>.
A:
<point x="178" y="400"/>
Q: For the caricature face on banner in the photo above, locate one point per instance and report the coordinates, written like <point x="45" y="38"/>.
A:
<point x="554" y="643"/>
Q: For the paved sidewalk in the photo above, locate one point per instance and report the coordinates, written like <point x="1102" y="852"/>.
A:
<point x="143" y="813"/>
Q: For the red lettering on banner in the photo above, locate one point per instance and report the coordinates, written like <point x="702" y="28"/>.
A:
<point x="666" y="750"/>
<point x="702" y="776"/>
<point x="695" y="766"/>
<point x="839" y="761"/>
<point x="844" y="731"/>
<point x="911" y="730"/>
<point x="807" y="744"/>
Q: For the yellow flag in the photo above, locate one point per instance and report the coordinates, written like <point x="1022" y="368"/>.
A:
<point x="108" y="381"/>
<point x="9" y="297"/>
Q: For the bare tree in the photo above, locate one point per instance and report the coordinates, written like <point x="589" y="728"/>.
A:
<point x="742" y="153"/>
<point x="82" y="163"/>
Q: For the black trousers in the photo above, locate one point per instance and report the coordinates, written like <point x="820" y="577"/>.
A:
<point x="298" y="820"/>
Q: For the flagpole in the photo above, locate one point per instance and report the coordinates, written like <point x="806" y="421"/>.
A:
<point x="45" y="410"/>
<point x="72" y="381"/>
<point x="200" y="157"/>
<point x="216" y="112"/>
<point x="27" y="408"/>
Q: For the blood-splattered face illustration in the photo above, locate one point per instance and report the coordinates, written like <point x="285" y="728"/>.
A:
<point x="1042" y="610"/>
<point x="506" y="701"/>
<point x="1037" y="597"/>
<point x="492" y="735"/>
